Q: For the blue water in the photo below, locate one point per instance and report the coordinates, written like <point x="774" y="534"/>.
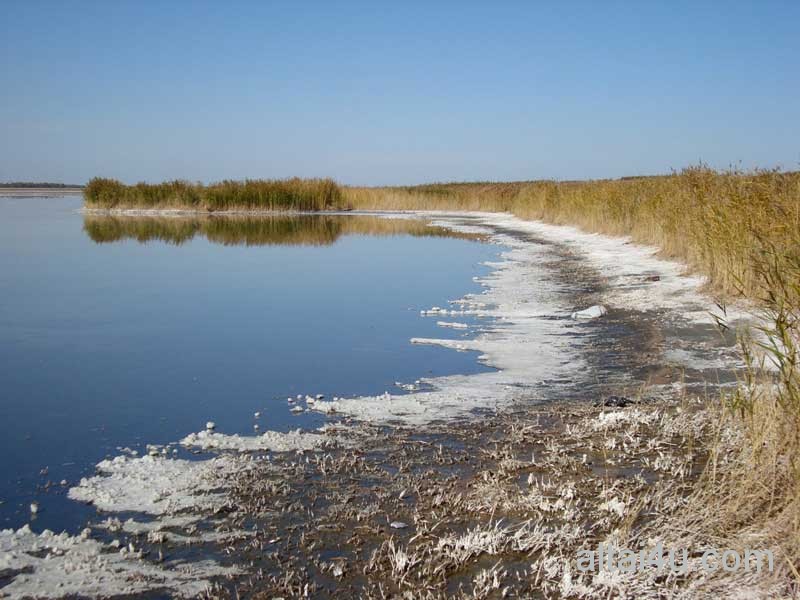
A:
<point x="128" y="342"/>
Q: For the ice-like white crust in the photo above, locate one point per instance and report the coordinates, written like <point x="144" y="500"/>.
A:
<point x="162" y="530"/>
<point x="274" y="441"/>
<point x="593" y="312"/>
<point x="49" y="565"/>
<point x="158" y="486"/>
<point x="175" y="497"/>
<point x="460" y="345"/>
<point x="710" y="361"/>
<point x="452" y="325"/>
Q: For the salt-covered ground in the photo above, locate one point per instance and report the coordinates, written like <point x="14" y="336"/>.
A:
<point x="555" y="316"/>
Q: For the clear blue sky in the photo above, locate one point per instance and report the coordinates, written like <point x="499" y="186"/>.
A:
<point x="400" y="92"/>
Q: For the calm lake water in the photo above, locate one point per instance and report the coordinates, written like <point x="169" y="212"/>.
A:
<point x="119" y="332"/>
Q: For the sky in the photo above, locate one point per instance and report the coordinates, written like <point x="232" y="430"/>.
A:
<point x="377" y="93"/>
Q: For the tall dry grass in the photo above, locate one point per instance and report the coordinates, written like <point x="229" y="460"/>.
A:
<point x="252" y="194"/>
<point x="750" y="492"/>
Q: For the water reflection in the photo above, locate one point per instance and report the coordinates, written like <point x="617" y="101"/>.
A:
<point x="111" y="345"/>
<point x="303" y="230"/>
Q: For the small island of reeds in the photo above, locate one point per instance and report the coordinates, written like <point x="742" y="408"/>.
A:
<point x="293" y="194"/>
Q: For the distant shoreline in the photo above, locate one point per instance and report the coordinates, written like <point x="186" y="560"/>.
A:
<point x="202" y="212"/>
<point x="49" y="192"/>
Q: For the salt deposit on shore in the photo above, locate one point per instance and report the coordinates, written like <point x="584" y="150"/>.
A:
<point x="48" y="565"/>
<point x="528" y="336"/>
<point x="157" y="486"/>
<point x="637" y="278"/>
<point x="270" y="440"/>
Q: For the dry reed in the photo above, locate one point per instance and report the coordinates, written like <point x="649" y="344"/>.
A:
<point x="252" y="194"/>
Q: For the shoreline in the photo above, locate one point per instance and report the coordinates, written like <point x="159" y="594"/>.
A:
<point x="39" y="192"/>
<point x="202" y="212"/>
<point x="448" y="491"/>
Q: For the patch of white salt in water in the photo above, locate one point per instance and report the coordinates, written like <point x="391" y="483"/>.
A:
<point x="452" y="325"/>
<point x="49" y="565"/>
<point x="459" y="345"/>
<point x="175" y="494"/>
<point x="162" y="486"/>
<point x="158" y="486"/>
<point x="161" y="531"/>
<point x="274" y="441"/>
<point x="593" y="312"/>
<point x="178" y="496"/>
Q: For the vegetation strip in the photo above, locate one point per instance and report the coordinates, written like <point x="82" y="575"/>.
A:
<point x="253" y="194"/>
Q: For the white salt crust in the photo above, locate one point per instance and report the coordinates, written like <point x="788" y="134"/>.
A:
<point x="270" y="440"/>
<point x="174" y="493"/>
<point x="523" y="342"/>
<point x="452" y="325"/>
<point x="52" y="565"/>
<point x="629" y="269"/>
<point x="158" y="486"/>
<point x="593" y="312"/>
<point x="527" y="339"/>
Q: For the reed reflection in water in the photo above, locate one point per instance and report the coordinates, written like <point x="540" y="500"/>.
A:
<point x="294" y="230"/>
